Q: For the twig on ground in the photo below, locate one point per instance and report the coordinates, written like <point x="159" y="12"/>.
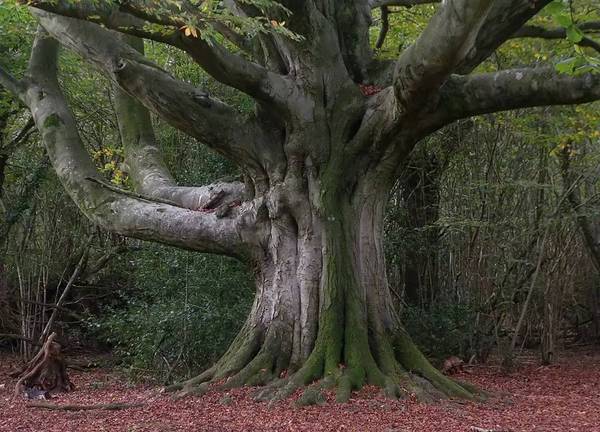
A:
<point x="104" y="407"/>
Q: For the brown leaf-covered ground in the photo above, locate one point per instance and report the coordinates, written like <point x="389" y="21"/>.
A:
<point x="561" y="397"/>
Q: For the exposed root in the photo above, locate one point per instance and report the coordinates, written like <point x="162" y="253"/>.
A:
<point x="394" y="364"/>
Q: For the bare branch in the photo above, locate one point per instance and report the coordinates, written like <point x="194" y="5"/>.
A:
<point x="449" y="36"/>
<point x="144" y="158"/>
<point x="11" y="84"/>
<point x="531" y="31"/>
<point x="385" y="27"/>
<point x="465" y="96"/>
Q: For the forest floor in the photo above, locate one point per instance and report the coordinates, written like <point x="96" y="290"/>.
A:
<point x="561" y="397"/>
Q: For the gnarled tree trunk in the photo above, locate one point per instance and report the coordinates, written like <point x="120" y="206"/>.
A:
<point x="323" y="307"/>
<point x="318" y="156"/>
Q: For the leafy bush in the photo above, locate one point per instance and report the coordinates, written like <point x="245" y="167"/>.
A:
<point x="183" y="312"/>
<point x="445" y="330"/>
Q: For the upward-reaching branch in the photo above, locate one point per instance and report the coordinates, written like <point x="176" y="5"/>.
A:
<point x="144" y="158"/>
<point x="503" y="20"/>
<point x="443" y="45"/>
<point x="184" y="106"/>
<point x="226" y="67"/>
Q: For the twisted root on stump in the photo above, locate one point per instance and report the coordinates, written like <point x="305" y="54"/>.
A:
<point x="47" y="371"/>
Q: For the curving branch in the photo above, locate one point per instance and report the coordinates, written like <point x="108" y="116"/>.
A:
<point x="443" y="45"/>
<point x="503" y="20"/>
<point x="466" y="96"/>
<point x="182" y="105"/>
<point x="224" y="66"/>
<point x="119" y="213"/>
<point x="147" y="168"/>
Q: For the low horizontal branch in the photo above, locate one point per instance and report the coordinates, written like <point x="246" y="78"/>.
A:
<point x="130" y="193"/>
<point x="465" y="96"/>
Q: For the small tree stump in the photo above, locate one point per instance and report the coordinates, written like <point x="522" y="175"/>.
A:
<point x="46" y="371"/>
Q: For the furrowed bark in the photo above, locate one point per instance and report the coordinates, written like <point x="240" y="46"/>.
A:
<point x="118" y="213"/>
<point x="465" y="96"/>
<point x="443" y="45"/>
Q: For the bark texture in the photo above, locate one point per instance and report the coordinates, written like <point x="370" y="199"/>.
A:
<point x="319" y="159"/>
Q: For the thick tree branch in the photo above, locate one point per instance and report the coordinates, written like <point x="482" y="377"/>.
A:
<point x="147" y="168"/>
<point x="449" y="36"/>
<point x="226" y="67"/>
<point x="465" y="96"/>
<point x="122" y="214"/>
<point x="503" y="20"/>
<point x="353" y="18"/>
<point x="531" y="31"/>
<point x="182" y="105"/>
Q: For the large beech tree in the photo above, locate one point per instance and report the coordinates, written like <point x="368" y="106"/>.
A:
<point x="318" y="158"/>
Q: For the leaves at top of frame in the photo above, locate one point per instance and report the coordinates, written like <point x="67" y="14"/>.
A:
<point x="564" y="14"/>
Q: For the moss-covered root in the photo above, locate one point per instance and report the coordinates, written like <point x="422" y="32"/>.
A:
<point x="247" y="362"/>
<point x="204" y="377"/>
<point x="433" y="383"/>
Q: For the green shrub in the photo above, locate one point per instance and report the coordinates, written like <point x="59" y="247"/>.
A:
<point x="445" y="330"/>
<point x="183" y="312"/>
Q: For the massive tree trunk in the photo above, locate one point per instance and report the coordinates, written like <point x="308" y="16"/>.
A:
<point x="318" y="156"/>
<point x="323" y="307"/>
